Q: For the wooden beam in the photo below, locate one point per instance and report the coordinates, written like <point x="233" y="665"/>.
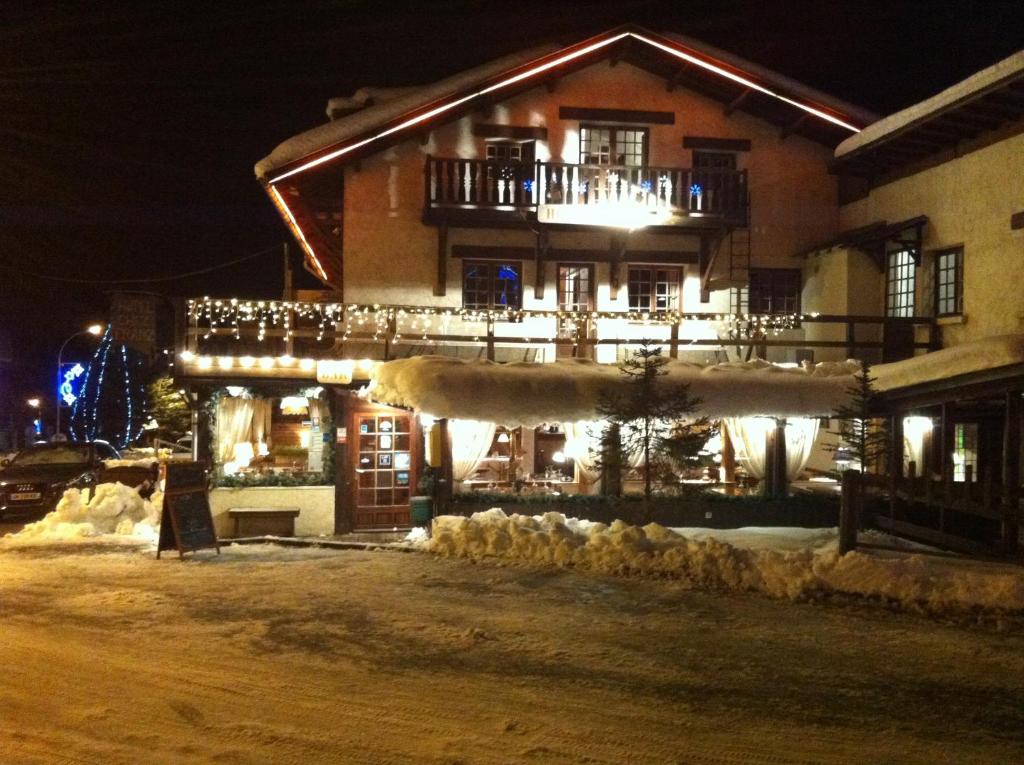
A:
<point x="539" y="262"/>
<point x="716" y="144"/>
<point x="737" y="102"/>
<point x="510" y="132"/>
<point x="441" y="286"/>
<point x="1011" y="472"/>
<point x="792" y="127"/>
<point x="616" y="115"/>
<point x="484" y="252"/>
<point x="673" y="81"/>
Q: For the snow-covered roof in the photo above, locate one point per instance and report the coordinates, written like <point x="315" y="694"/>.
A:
<point x="977" y="356"/>
<point x="1009" y="69"/>
<point x="342" y="106"/>
<point x="570" y="390"/>
<point x="384" y="110"/>
<point x="438" y="97"/>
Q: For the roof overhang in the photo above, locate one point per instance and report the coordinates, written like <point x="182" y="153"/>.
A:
<point x="878" y="238"/>
<point x="983" y="103"/>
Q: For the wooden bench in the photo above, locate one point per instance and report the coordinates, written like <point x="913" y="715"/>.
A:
<point x="263" y="521"/>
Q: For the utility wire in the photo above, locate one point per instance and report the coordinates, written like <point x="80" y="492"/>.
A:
<point x="175" y="277"/>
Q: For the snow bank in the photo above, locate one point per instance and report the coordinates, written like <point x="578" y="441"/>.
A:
<point x="653" y="550"/>
<point x="112" y="509"/>
<point x="976" y="356"/>
<point x="529" y="394"/>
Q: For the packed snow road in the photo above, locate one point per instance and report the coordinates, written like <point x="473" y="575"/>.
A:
<point x="302" y="656"/>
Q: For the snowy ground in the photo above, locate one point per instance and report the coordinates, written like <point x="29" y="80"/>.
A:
<point x="269" y="654"/>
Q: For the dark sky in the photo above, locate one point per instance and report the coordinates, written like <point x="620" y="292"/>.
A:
<point x="128" y="136"/>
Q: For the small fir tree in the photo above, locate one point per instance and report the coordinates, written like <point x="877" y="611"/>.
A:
<point x="169" y="408"/>
<point x="651" y="418"/>
<point x="866" y="437"/>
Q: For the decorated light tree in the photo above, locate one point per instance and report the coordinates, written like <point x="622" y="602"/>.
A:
<point x="112" y="404"/>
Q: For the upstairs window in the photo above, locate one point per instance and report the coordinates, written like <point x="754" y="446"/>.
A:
<point x="654" y="289"/>
<point x="510" y="151"/>
<point x="575" y="287"/>
<point x="492" y="284"/>
<point x="949" y="282"/>
<point x="739" y="300"/>
<point x="611" y="145"/>
<point x="774" y="291"/>
<point x="900" y="284"/>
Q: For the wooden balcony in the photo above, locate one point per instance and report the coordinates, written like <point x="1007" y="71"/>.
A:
<point x="225" y="339"/>
<point x="588" y="195"/>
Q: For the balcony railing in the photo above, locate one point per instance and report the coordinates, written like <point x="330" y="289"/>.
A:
<point x="671" y="194"/>
<point x="249" y="337"/>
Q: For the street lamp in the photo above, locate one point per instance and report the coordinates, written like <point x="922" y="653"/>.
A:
<point x="93" y="329"/>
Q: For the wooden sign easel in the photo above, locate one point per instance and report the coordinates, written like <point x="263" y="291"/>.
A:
<point x="186" y="523"/>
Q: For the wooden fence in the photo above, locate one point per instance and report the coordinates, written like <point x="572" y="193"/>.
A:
<point x="969" y="516"/>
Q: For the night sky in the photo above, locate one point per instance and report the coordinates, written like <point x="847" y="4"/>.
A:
<point x="129" y="136"/>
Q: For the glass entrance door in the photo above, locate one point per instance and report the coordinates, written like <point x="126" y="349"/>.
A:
<point x="384" y="468"/>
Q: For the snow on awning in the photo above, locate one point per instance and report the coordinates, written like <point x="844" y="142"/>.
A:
<point x="976" y="356"/>
<point x="530" y="394"/>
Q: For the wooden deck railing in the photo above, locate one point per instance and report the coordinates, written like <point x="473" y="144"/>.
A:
<point x="490" y="184"/>
<point x="315" y="330"/>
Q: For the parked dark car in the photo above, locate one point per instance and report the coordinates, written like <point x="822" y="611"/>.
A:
<point x="35" y="479"/>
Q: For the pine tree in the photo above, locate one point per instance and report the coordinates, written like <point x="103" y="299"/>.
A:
<point x="169" y="408"/>
<point x="652" y="418"/>
<point x="867" y="437"/>
<point x="112" y="402"/>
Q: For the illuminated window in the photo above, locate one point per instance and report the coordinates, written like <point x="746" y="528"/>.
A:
<point x="491" y="285"/>
<point x="575" y="287"/>
<point x="899" y="300"/>
<point x="601" y="145"/>
<point x="965" y="451"/>
<point x="654" y="289"/>
<point x="774" y="291"/>
<point x="949" y="282"/>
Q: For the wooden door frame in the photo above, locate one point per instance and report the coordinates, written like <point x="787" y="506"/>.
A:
<point x="359" y="407"/>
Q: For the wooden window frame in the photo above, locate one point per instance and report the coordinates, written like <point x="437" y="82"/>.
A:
<point x="591" y="300"/>
<point x="895" y="278"/>
<point x="957" y="283"/>
<point x="492" y="266"/>
<point x="634" y="128"/>
<point x="755" y="298"/>
<point x="708" y="153"/>
<point x="652" y="295"/>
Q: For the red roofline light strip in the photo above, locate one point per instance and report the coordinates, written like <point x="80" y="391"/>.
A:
<point x="294" y="225"/>
<point x="550" y="64"/>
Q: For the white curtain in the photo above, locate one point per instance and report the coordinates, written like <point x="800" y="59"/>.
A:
<point x="234" y="425"/>
<point x="749" y="438"/>
<point x="262" y="408"/>
<point x="801" y="435"/>
<point x="471" y="442"/>
<point x="582" y="443"/>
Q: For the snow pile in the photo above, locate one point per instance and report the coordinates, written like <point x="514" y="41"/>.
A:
<point x="653" y="550"/>
<point x="529" y="394"/>
<point x="976" y="356"/>
<point x="112" y="509"/>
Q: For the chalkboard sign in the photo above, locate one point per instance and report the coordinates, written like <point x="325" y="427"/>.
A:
<point x="186" y="523"/>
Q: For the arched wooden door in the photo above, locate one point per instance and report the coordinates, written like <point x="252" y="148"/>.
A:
<point x="384" y="459"/>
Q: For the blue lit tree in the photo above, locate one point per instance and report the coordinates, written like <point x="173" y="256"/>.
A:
<point x="111" y="405"/>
